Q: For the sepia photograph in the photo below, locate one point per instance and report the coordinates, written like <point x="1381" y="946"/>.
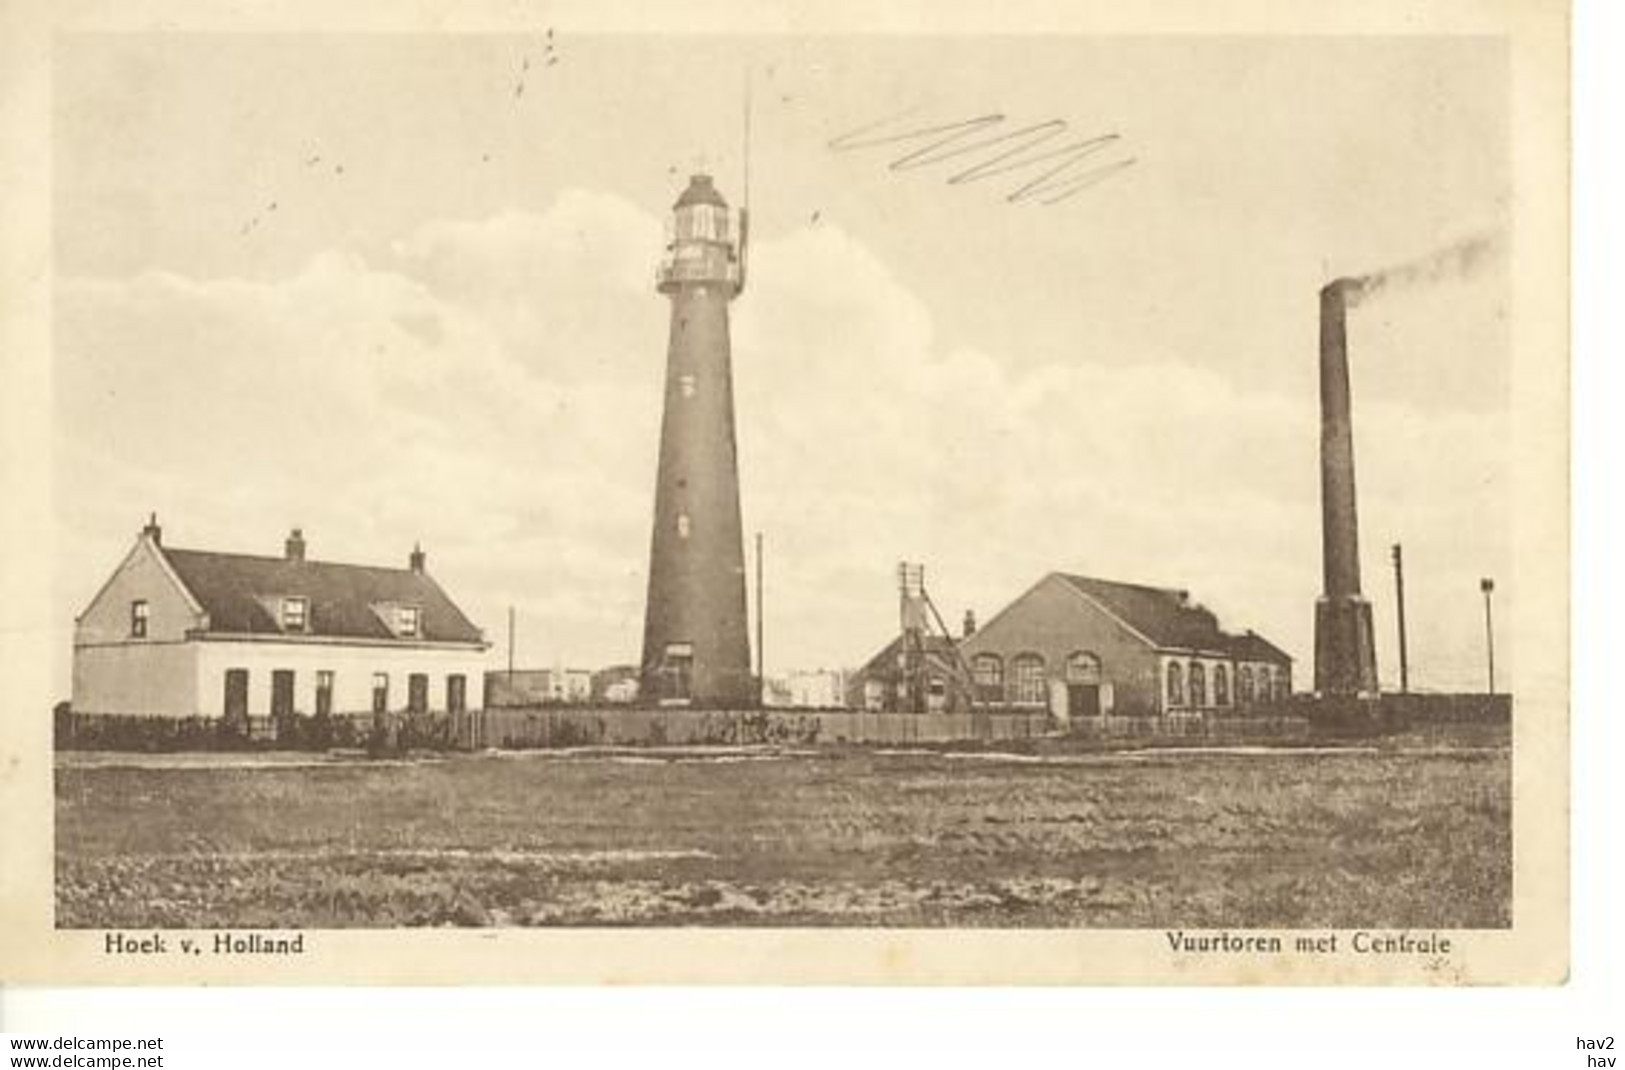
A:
<point x="565" y="479"/>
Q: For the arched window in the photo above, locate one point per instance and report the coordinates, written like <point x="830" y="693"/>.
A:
<point x="1263" y="685"/>
<point x="1198" y="684"/>
<point x="1244" y="684"/>
<point x="988" y="669"/>
<point x="1176" y="684"/>
<point x="1082" y="667"/>
<point x="1027" y="680"/>
<point x="1221" y="686"/>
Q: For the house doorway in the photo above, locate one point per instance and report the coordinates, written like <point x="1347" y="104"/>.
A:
<point x="281" y="702"/>
<point x="281" y="694"/>
<point x="236" y="699"/>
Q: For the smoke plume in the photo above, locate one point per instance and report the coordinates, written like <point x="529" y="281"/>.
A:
<point x="1458" y="261"/>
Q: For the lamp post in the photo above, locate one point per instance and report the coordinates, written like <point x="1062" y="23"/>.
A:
<point x="1487" y="585"/>
<point x="1399" y="601"/>
<point x="761" y="626"/>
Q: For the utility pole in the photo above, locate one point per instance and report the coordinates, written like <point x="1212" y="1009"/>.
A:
<point x="1399" y="598"/>
<point x="1487" y="585"/>
<point x="510" y="646"/>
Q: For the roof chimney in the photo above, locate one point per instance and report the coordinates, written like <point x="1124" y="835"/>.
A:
<point x="970" y="623"/>
<point x="153" y="531"/>
<point x="294" y="547"/>
<point x="416" y="560"/>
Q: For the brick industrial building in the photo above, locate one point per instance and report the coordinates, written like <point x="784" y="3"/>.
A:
<point x="1079" y="647"/>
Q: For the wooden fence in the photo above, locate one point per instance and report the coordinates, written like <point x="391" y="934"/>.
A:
<point x="613" y="725"/>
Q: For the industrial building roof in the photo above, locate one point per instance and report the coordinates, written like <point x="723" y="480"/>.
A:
<point x="240" y="594"/>
<point x="1169" y="619"/>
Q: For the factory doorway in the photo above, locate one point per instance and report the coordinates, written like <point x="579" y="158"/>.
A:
<point x="1082" y="685"/>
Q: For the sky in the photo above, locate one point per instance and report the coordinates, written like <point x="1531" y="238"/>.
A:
<point x="446" y="329"/>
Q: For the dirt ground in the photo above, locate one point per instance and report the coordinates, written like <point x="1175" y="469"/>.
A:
<point x="1409" y="833"/>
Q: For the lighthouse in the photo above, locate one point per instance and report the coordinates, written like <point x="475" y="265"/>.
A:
<point x="696" y="645"/>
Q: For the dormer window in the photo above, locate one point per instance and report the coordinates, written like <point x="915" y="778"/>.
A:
<point x="295" y="614"/>
<point x="409" y="621"/>
<point x="138" y="619"/>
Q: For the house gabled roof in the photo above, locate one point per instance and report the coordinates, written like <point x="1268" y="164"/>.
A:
<point x="239" y="592"/>
<point x="1169" y="620"/>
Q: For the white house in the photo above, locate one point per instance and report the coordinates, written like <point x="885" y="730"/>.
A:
<point x="807" y="689"/>
<point x="538" y="687"/>
<point x="187" y="633"/>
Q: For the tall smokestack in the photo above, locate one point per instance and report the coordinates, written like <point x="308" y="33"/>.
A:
<point x="1345" y="657"/>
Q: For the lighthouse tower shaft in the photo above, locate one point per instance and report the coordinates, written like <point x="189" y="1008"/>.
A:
<point x="696" y="645"/>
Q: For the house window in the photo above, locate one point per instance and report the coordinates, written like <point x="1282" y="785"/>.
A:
<point x="409" y="621"/>
<point x="295" y="612"/>
<point x="685" y="383"/>
<point x="1198" y="684"/>
<point x="1027" y="680"/>
<point x="988" y="670"/>
<point x="1263" y="683"/>
<point x="683" y="525"/>
<point x="380" y="692"/>
<point x="1176" y="684"/>
<point x="1221" y="686"/>
<point x="456" y="693"/>
<point x="324" y="692"/>
<point x="138" y="619"/>
<point x="1244" y="684"/>
<point x="417" y="692"/>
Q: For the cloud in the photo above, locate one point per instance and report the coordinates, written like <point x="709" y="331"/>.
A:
<point x="492" y="387"/>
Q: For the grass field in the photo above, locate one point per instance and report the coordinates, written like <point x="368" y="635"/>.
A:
<point x="1407" y="835"/>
